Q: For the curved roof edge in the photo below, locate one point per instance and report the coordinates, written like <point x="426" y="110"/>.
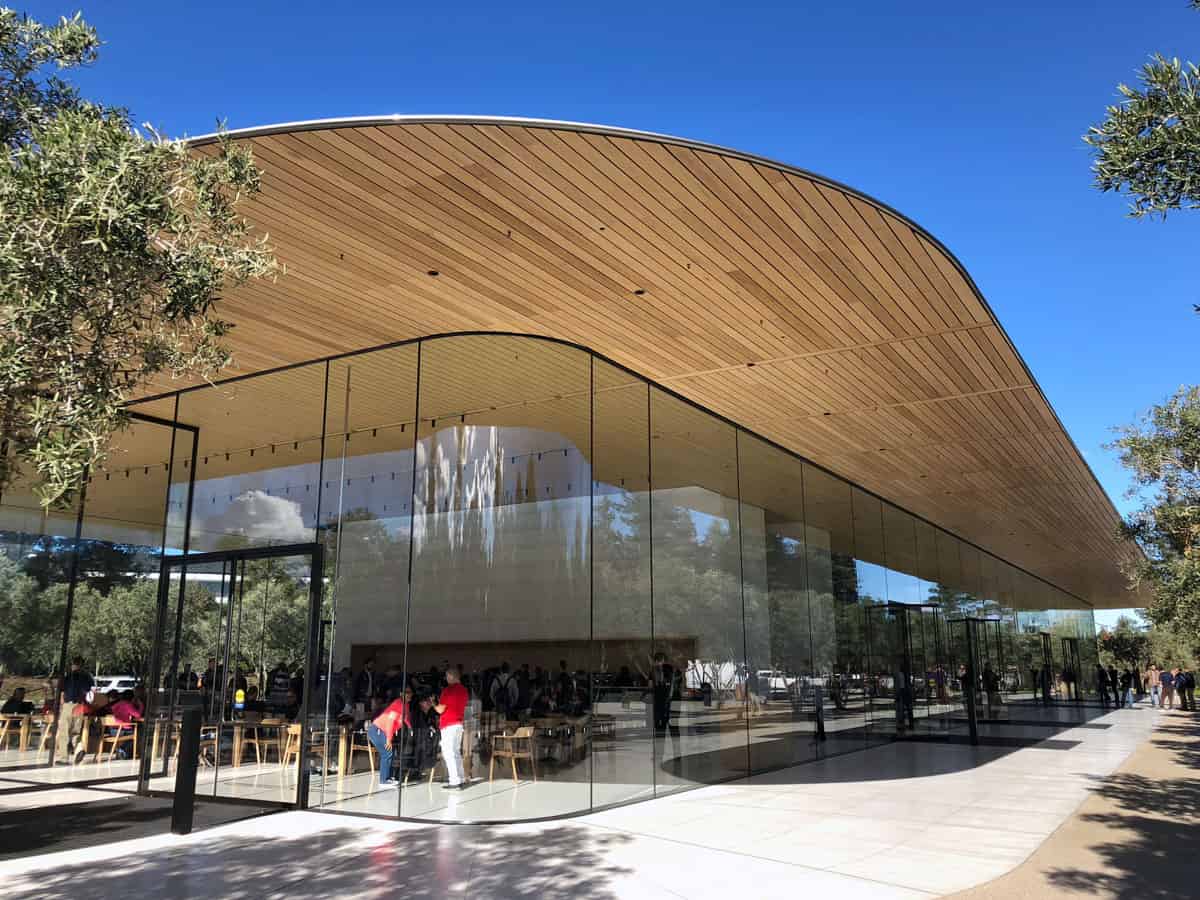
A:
<point x="705" y="146"/>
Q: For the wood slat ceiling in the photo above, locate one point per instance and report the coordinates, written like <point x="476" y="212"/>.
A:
<point x="797" y="308"/>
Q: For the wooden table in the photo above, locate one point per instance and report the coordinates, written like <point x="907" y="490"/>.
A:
<point x="239" y="726"/>
<point x="344" y="733"/>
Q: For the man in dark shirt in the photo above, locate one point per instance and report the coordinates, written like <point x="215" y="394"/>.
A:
<point x="365" y="685"/>
<point x="74" y="693"/>
<point x="1102" y="685"/>
<point x="664" y="687"/>
<point x="16" y="705"/>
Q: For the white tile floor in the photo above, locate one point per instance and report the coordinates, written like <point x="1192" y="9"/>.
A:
<point x="903" y="820"/>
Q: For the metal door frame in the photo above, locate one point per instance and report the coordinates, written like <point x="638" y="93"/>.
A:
<point x="230" y="560"/>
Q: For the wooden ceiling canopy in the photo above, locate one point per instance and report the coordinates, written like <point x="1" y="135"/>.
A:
<point x="804" y="311"/>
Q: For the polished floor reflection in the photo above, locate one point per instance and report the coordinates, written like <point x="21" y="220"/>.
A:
<point x="905" y="820"/>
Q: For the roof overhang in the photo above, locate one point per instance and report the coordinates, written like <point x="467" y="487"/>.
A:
<point x="797" y="307"/>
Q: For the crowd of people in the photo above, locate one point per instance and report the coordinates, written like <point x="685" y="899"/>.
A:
<point x="1122" y="688"/>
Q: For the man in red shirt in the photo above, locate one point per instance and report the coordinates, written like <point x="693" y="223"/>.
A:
<point x="451" y="708"/>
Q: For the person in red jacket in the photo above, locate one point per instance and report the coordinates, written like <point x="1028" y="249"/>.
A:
<point x="397" y="716"/>
<point x="451" y="709"/>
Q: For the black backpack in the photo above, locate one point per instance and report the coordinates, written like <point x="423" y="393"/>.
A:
<point x="503" y="696"/>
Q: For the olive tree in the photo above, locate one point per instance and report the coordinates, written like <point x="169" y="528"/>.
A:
<point x="115" y="246"/>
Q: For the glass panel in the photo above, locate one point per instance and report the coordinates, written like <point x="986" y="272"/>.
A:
<point x="36" y="560"/>
<point x="838" y="634"/>
<point x="871" y="579"/>
<point x="265" y="639"/>
<point x="114" y="617"/>
<point x="887" y="665"/>
<point x="258" y="466"/>
<point x="900" y="546"/>
<point x="501" y="574"/>
<point x="699" y="642"/>
<point x="778" y="677"/>
<point x="366" y="518"/>
<point x="621" y="661"/>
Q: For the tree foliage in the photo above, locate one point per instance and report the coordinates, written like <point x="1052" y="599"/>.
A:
<point x="1162" y="451"/>
<point x="116" y="247"/>
<point x="1125" y="644"/>
<point x="1148" y="144"/>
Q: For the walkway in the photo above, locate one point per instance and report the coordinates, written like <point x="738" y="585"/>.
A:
<point x="905" y="820"/>
<point x="1138" y="835"/>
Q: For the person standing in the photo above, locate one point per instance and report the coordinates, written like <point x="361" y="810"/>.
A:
<point x="75" y="688"/>
<point x="395" y="718"/>
<point x="664" y="686"/>
<point x="1114" y="681"/>
<point x="1155" y="685"/>
<point x="504" y="692"/>
<point x="1102" y="685"/>
<point x="1167" y="680"/>
<point x="1185" y="686"/>
<point x="451" y="709"/>
<point x="1127" y="688"/>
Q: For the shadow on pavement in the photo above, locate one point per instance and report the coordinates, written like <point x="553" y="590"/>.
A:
<point x="418" y="862"/>
<point x="1153" y="823"/>
<point x="70" y="826"/>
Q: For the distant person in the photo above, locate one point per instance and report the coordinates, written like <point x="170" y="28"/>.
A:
<point x="565" y="679"/>
<point x="74" y="694"/>
<point x="254" y="703"/>
<point x="451" y="709"/>
<point x="381" y="733"/>
<point x="1155" y="685"/>
<point x="125" y="709"/>
<point x="663" y="674"/>
<point x="15" y="705"/>
<point x="524" y="687"/>
<point x="1127" y="688"/>
<point x="1167" y="680"/>
<point x="392" y="686"/>
<point x="1114" y="681"/>
<point x="278" y="683"/>
<point x="291" y="706"/>
<point x="505" y="692"/>
<point x="1186" y="688"/>
<point x="1102" y="685"/>
<point x="365" y="682"/>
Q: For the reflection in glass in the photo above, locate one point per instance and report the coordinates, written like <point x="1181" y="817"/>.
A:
<point x="699" y="703"/>
<point x="501" y="571"/>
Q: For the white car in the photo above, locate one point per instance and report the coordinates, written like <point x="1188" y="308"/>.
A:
<point x="105" y="683"/>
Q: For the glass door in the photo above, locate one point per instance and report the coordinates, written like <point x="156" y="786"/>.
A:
<point x="935" y="699"/>
<point x="1070" y="668"/>
<point x="1047" y="681"/>
<point x="234" y="640"/>
<point x="889" y="670"/>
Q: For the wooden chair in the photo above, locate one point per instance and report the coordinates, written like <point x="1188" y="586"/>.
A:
<point x="47" y="725"/>
<point x="509" y="746"/>
<point x="125" y="733"/>
<point x="10" y="727"/>
<point x="358" y="743"/>
<point x="291" y="747"/>
<point x="252" y="736"/>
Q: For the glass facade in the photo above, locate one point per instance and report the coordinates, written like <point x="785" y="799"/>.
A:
<point x="638" y="596"/>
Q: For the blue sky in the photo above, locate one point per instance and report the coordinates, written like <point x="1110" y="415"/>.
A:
<point x="966" y="117"/>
